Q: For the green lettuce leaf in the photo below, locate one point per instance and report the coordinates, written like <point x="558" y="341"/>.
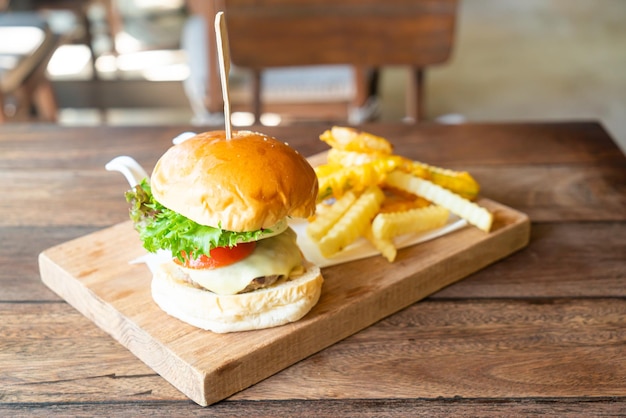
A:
<point x="162" y="228"/>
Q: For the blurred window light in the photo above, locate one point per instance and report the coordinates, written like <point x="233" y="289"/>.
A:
<point x="80" y="117"/>
<point x="8" y="61"/>
<point x="242" y="118"/>
<point x="20" y="40"/>
<point x="175" y="72"/>
<point x="106" y="64"/>
<point x="247" y="119"/>
<point x="126" y="43"/>
<point x="69" y="60"/>
<point x="146" y="59"/>
<point x="159" y="4"/>
<point x="158" y="65"/>
<point x="270" y="119"/>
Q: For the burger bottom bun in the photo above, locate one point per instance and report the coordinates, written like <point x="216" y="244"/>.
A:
<point x="264" y="308"/>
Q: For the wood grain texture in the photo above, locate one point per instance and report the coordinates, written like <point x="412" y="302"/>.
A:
<point x="579" y="188"/>
<point x="296" y="408"/>
<point x="490" y="349"/>
<point x="21" y="247"/>
<point x="402" y="32"/>
<point x="593" y="264"/>
<point x="569" y="192"/>
<point x="93" y="274"/>
<point x="53" y="364"/>
<point x="549" y="316"/>
<point x="569" y="260"/>
<point x="476" y="348"/>
<point x="27" y="147"/>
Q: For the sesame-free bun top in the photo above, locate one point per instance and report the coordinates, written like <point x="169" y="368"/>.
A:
<point x="245" y="183"/>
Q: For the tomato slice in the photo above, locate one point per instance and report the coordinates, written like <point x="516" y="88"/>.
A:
<point x="219" y="257"/>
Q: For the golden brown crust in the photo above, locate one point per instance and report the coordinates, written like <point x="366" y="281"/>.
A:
<point x="249" y="182"/>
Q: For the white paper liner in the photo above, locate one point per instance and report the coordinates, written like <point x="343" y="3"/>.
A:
<point x="362" y="248"/>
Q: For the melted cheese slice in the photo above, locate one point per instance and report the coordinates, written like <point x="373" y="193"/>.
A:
<point x="278" y="254"/>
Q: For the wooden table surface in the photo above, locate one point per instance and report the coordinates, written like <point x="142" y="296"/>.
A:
<point x="540" y="332"/>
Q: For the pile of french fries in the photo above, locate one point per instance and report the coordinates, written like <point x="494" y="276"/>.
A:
<point x="367" y="191"/>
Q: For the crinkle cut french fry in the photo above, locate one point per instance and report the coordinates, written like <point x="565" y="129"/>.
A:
<point x="334" y="181"/>
<point x="325" y="219"/>
<point x="350" y="139"/>
<point x="353" y="223"/>
<point x="384" y="246"/>
<point x="397" y="200"/>
<point x="389" y="225"/>
<point x="350" y="158"/>
<point x="460" y="182"/>
<point x="358" y="161"/>
<point x="337" y="157"/>
<point x="470" y="211"/>
<point x="326" y="169"/>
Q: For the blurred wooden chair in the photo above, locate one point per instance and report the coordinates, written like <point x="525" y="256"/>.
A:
<point x="81" y="31"/>
<point x="152" y="24"/>
<point x="25" y="91"/>
<point x="365" y="34"/>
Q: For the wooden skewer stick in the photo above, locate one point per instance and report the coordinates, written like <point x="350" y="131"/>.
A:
<point x="223" y="55"/>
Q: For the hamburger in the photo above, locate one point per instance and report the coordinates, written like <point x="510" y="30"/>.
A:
<point x="220" y="207"/>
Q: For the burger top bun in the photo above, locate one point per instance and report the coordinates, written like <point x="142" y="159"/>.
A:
<point x="245" y="183"/>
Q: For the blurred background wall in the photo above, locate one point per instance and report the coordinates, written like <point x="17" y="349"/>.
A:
<point x="514" y="60"/>
<point x="532" y="60"/>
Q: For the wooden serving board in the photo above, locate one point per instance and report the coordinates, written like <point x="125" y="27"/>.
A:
<point x="93" y="274"/>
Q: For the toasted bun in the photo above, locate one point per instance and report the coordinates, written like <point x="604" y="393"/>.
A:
<point x="264" y="308"/>
<point x="249" y="182"/>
